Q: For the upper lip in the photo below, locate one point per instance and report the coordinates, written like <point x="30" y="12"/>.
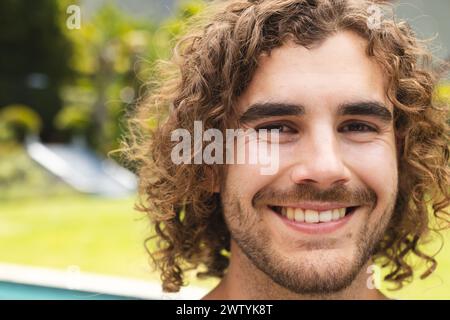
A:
<point x="317" y="206"/>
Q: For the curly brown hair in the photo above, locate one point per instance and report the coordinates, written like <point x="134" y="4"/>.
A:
<point x="212" y="66"/>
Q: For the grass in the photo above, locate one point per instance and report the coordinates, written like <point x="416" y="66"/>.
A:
<point x="95" y="234"/>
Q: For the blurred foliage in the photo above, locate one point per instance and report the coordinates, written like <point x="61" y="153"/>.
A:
<point x="80" y="81"/>
<point x="444" y="92"/>
<point x="443" y="95"/>
<point x="18" y="121"/>
<point x="74" y="118"/>
<point x="34" y="55"/>
<point x="113" y="58"/>
<point x="177" y="25"/>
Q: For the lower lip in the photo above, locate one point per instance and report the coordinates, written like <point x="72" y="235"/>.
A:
<point x="316" y="228"/>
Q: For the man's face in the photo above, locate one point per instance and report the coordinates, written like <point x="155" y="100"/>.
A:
<point x="337" y="155"/>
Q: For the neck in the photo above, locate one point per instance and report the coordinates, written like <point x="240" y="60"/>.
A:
<point x="244" y="281"/>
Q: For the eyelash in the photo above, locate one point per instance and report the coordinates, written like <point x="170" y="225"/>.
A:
<point x="368" y="128"/>
<point x="271" y="126"/>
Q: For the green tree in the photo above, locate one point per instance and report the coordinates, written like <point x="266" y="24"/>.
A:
<point x="17" y="122"/>
<point x="113" y="52"/>
<point x="34" y="57"/>
<point x="113" y="57"/>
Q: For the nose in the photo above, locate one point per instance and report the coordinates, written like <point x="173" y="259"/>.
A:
<point x="320" y="161"/>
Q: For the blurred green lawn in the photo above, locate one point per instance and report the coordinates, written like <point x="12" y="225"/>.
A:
<point x="106" y="236"/>
<point x="95" y="234"/>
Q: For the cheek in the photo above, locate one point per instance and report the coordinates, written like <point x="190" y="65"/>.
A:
<point x="375" y="165"/>
<point x="249" y="171"/>
<point x="244" y="180"/>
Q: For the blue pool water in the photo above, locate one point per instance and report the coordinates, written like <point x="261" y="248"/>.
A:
<point x="18" y="291"/>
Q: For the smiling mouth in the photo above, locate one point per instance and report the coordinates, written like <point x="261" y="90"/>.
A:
<point x="313" y="216"/>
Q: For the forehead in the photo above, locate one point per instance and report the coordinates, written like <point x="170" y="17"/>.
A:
<point x="336" y="71"/>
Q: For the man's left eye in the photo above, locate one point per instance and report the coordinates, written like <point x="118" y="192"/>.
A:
<point x="357" y="127"/>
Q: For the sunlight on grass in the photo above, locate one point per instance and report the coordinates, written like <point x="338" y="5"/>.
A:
<point x="98" y="235"/>
<point x="95" y="234"/>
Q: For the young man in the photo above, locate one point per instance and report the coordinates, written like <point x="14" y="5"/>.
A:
<point x="362" y="151"/>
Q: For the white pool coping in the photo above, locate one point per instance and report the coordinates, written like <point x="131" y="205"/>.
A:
<point x="73" y="279"/>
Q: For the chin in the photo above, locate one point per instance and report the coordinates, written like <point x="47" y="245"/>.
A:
<point x="321" y="273"/>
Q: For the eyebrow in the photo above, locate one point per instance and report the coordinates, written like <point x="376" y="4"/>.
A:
<point x="366" y="108"/>
<point x="261" y="110"/>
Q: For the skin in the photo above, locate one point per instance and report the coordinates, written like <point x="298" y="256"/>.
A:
<point x="318" y="152"/>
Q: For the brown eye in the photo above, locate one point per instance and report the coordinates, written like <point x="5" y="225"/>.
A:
<point x="357" y="127"/>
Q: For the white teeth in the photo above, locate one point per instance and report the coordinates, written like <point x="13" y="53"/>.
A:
<point x="312" y="216"/>
<point x="336" y="214"/>
<point x="290" y="213"/>
<point x="299" y="215"/>
<point x="326" y="216"/>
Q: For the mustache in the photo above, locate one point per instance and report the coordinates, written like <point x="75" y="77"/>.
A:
<point x="309" y="192"/>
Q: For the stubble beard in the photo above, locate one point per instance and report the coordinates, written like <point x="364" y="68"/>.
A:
<point x="319" y="277"/>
